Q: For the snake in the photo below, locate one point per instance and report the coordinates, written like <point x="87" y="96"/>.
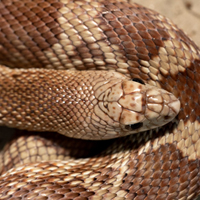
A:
<point x="107" y="97"/>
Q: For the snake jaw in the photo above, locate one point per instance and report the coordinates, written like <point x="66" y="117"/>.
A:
<point x="129" y="107"/>
<point x="149" y="105"/>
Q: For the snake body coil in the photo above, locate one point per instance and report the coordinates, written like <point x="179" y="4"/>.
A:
<point x="130" y="41"/>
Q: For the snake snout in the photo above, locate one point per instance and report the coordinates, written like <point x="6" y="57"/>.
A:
<point x="146" y="105"/>
<point x="162" y="106"/>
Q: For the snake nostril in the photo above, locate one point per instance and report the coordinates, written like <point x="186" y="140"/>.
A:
<point x="134" y="126"/>
<point x="138" y="80"/>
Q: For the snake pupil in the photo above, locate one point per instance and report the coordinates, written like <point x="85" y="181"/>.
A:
<point x="138" y="81"/>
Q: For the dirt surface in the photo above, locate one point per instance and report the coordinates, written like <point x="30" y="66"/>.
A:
<point x="184" y="13"/>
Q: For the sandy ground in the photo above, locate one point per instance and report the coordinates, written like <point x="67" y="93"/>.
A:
<point x="184" y="13"/>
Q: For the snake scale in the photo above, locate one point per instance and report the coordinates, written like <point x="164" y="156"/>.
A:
<point x="131" y="42"/>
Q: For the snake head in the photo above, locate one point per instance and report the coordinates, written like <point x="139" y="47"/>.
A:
<point x="131" y="106"/>
<point x="146" y="107"/>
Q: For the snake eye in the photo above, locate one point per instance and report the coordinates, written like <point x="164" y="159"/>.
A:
<point x="138" y="81"/>
<point x="134" y="126"/>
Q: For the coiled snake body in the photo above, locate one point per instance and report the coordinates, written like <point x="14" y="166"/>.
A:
<point x="118" y="36"/>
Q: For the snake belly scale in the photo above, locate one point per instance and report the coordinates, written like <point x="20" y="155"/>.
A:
<point x="124" y="38"/>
